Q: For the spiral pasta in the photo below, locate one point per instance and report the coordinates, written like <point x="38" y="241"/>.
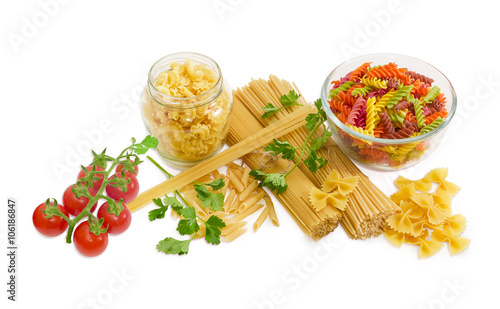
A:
<point x="388" y="102"/>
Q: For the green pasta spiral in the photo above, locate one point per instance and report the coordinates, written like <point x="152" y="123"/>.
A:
<point x="431" y="126"/>
<point x="432" y="94"/>
<point x="419" y="113"/>
<point x="403" y="92"/>
<point x="344" y="87"/>
<point x="362" y="91"/>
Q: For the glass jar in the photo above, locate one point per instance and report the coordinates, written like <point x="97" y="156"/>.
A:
<point x="187" y="106"/>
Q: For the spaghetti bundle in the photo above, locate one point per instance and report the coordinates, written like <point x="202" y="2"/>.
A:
<point x="368" y="207"/>
<point x="296" y="199"/>
<point x="244" y="146"/>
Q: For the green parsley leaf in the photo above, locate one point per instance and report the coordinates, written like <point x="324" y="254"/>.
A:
<point x="313" y="162"/>
<point x="311" y="121"/>
<point x="149" y="142"/>
<point x="290" y="99"/>
<point x="173" y="203"/>
<point x="258" y="175"/>
<point x="214" y="201"/>
<point x="216" y="184"/>
<point x="278" y="147"/>
<point x="188" y="225"/>
<point x="319" y="107"/>
<point x="188" y="213"/>
<point x="213" y="226"/>
<point x="274" y="181"/>
<point x="173" y="246"/>
<point x="317" y="142"/>
<point x="287" y="100"/>
<point x="270" y="110"/>
<point x="158" y="213"/>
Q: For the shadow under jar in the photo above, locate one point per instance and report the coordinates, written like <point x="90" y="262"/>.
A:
<point x="187" y="106"/>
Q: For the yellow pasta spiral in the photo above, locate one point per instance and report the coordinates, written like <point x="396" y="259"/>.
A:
<point x="375" y="82"/>
<point x="371" y="115"/>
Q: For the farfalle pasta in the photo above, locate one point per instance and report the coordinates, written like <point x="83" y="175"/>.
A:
<point x="426" y="219"/>
<point x="187" y="107"/>
<point x="334" y="191"/>
<point x="387" y="102"/>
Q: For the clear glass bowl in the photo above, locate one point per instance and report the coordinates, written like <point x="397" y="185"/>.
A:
<point x="386" y="156"/>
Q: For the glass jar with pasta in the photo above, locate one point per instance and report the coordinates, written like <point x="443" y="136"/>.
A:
<point x="187" y="106"/>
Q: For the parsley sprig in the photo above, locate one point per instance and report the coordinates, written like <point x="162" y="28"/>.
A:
<point x="189" y="224"/>
<point x="288" y="100"/>
<point x="277" y="181"/>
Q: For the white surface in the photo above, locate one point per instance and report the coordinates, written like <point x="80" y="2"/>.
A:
<point x="86" y="62"/>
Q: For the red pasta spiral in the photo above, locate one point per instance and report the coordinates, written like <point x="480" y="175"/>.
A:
<point x="385" y="123"/>
<point x="402" y="105"/>
<point x="406" y="131"/>
<point x="392" y="82"/>
<point x="422" y="78"/>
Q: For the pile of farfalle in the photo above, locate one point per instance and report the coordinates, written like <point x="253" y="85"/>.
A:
<point x="426" y="219"/>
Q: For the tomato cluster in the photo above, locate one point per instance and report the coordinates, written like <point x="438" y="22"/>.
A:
<point x="89" y="239"/>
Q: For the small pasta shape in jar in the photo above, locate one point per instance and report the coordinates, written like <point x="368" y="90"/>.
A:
<point x="187" y="105"/>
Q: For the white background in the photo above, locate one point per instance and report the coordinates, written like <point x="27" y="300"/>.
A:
<point x="69" y="67"/>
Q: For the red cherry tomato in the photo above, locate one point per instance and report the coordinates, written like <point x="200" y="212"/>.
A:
<point x="96" y="184"/>
<point x="76" y="205"/>
<point x="52" y="226"/>
<point x="87" y="243"/>
<point x="116" y="224"/>
<point x="119" y="168"/>
<point x="116" y="192"/>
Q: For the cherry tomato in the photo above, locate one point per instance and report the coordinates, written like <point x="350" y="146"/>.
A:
<point x="96" y="184"/>
<point x="116" y="224"/>
<point x="76" y="205"/>
<point x="116" y="192"/>
<point x="119" y="167"/>
<point x="52" y="226"/>
<point x="87" y="243"/>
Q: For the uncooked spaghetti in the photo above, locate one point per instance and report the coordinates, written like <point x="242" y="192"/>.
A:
<point x="368" y="207"/>
<point x="296" y="199"/>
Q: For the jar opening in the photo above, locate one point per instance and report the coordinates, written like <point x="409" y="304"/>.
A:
<point x="163" y="65"/>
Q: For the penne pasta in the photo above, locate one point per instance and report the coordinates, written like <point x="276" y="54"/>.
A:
<point x="272" y="211"/>
<point x="230" y="227"/>
<point x="249" y="189"/>
<point x="235" y="234"/>
<point x="250" y="201"/>
<point x="262" y="217"/>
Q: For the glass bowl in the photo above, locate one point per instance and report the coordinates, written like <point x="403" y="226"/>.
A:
<point x="384" y="153"/>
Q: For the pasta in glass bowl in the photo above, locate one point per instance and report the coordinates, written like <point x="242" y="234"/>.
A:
<point x="187" y="106"/>
<point x="388" y="111"/>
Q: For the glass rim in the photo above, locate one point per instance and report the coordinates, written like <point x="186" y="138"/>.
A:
<point x="201" y="97"/>
<point x="345" y="128"/>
